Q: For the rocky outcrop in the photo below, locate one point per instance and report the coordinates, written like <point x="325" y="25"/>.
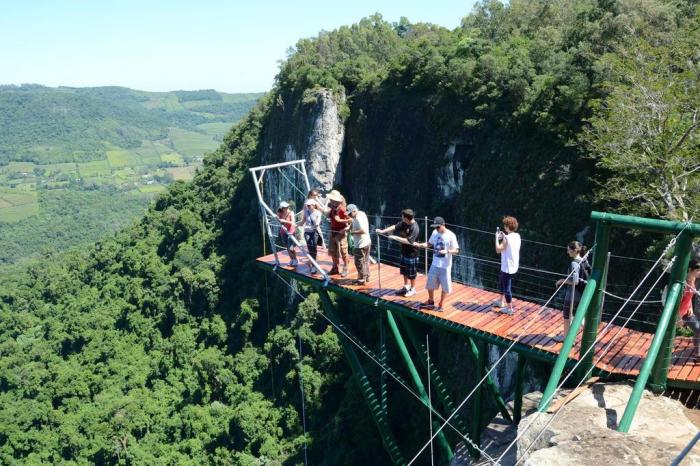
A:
<point x="325" y="142"/>
<point x="585" y="432"/>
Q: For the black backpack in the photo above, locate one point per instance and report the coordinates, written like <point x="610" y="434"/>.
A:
<point x="584" y="273"/>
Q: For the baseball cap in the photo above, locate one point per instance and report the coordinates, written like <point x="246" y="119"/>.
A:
<point x="351" y="208"/>
<point x="438" y="222"/>
<point x="310" y="202"/>
<point x="283" y="205"/>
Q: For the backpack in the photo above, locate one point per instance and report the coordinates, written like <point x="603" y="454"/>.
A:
<point x="584" y="273"/>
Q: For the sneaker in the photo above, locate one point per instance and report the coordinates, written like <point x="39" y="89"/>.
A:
<point x="313" y="271"/>
<point x="498" y="303"/>
<point x="344" y="273"/>
<point x="507" y="311"/>
<point x="410" y="293"/>
<point x="333" y="271"/>
<point x="293" y="263"/>
<point x="402" y="291"/>
<point x="358" y="282"/>
<point x="428" y="304"/>
<point x="438" y="308"/>
<point x="558" y="338"/>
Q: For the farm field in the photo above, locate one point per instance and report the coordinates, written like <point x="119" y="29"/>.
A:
<point x="104" y="162"/>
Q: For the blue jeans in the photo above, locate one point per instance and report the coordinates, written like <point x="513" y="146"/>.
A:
<point x="506" y="280"/>
<point x="693" y="323"/>
<point x="311" y="238"/>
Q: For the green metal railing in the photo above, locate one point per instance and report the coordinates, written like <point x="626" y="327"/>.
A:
<point x="645" y="371"/>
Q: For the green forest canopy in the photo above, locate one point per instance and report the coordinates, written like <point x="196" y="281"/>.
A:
<point x="159" y="344"/>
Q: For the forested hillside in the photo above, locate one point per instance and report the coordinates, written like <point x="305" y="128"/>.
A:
<point x="76" y="163"/>
<point x="164" y="344"/>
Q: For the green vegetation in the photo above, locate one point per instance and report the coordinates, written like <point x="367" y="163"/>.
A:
<point x="115" y="140"/>
<point x="164" y="344"/>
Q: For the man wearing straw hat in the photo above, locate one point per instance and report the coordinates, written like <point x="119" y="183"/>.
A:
<point x="340" y="222"/>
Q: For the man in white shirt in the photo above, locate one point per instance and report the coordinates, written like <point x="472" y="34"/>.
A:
<point x="360" y="235"/>
<point x="507" y="244"/>
<point x="444" y="243"/>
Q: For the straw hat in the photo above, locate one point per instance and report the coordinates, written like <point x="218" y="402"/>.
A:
<point x="335" y="196"/>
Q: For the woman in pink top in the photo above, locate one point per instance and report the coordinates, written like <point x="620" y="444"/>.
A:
<point x="286" y="218"/>
<point x="688" y="310"/>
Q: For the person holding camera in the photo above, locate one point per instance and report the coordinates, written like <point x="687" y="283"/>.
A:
<point x="507" y="244"/>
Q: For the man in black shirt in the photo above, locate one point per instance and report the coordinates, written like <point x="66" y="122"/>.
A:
<point x="407" y="232"/>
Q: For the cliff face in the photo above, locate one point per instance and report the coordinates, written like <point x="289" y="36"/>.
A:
<point x="390" y="154"/>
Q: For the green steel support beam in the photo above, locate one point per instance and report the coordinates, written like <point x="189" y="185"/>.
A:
<point x="518" y="397"/>
<point x="371" y="398"/>
<point x="491" y="385"/>
<point x="477" y="403"/>
<point x="563" y="357"/>
<point x="645" y="371"/>
<point x="683" y="252"/>
<point x="648" y="224"/>
<point x="590" y="330"/>
<point x="418" y="383"/>
<point x="438" y="384"/>
<point x="383" y="392"/>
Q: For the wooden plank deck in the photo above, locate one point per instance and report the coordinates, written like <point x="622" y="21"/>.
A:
<point x="471" y="307"/>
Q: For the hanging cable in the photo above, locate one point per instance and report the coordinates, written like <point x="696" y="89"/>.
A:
<point x="532" y="320"/>
<point x="391" y="374"/>
<point x="592" y="347"/>
<point x="303" y="400"/>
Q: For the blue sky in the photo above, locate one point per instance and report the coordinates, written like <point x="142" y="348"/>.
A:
<point x="230" y="46"/>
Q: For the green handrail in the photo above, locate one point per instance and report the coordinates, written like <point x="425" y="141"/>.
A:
<point x="648" y="224"/>
<point x="645" y="371"/>
<point x="679" y="272"/>
<point x="563" y="357"/>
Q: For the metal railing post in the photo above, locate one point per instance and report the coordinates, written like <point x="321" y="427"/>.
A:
<point x="426" y="240"/>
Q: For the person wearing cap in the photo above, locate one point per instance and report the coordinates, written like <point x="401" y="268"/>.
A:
<point x="406" y="232"/>
<point x="360" y="233"/>
<point x="311" y="222"/>
<point x="444" y="244"/>
<point x="287" y="229"/>
<point x="340" y="222"/>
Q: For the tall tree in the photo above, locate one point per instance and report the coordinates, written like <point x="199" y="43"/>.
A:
<point x="646" y="136"/>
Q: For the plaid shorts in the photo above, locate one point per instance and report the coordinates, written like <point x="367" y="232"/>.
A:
<point x="409" y="267"/>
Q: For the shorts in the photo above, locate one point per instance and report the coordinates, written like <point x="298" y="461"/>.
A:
<point x="409" y="267"/>
<point x="338" y="246"/>
<point x="439" y="277"/>
<point x="568" y="310"/>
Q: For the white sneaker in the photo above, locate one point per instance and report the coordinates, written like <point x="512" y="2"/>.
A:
<point x="410" y="292"/>
<point x="313" y="271"/>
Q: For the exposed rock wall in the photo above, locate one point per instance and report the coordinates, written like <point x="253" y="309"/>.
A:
<point x="586" y="431"/>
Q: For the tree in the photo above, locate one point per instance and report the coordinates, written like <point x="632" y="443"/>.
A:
<point x="646" y="136"/>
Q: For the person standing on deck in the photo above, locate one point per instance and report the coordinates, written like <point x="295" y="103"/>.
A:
<point x="360" y="233"/>
<point x="287" y="229"/>
<point x="689" y="309"/>
<point x="507" y="244"/>
<point x="407" y="232"/>
<point x="576" y="251"/>
<point x="340" y="223"/>
<point x="444" y="242"/>
<point x="312" y="234"/>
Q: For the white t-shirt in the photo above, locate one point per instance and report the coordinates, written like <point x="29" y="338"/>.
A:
<point x="510" y="257"/>
<point x="312" y="219"/>
<point x="360" y="222"/>
<point x="439" y="241"/>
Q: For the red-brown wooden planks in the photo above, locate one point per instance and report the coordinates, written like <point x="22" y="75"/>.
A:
<point x="471" y="307"/>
